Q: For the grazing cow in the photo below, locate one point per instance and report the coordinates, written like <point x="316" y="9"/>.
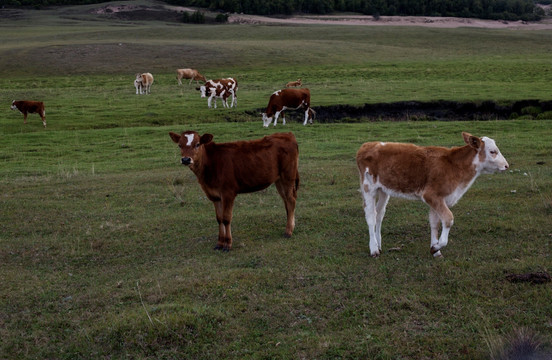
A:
<point x="227" y="169"/>
<point x="436" y="175"/>
<point x="191" y="74"/>
<point x="288" y="99"/>
<point x="294" y="83"/>
<point x="222" y="89"/>
<point x="30" y="107"/>
<point x="146" y="80"/>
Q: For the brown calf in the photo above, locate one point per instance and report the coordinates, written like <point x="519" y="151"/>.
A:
<point x="227" y="169"/>
<point x="30" y="107"/>
<point x="436" y="175"/>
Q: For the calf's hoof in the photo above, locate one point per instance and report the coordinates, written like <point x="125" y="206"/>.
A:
<point x="436" y="253"/>
<point x="223" y="248"/>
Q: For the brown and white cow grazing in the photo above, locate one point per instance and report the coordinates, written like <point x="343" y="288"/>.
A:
<point x="30" y="107"/>
<point x="294" y="83"/>
<point x="436" y="175"/>
<point x="221" y="89"/>
<point x="143" y="83"/>
<point x="227" y="169"/>
<point x="288" y="99"/>
<point x="191" y="74"/>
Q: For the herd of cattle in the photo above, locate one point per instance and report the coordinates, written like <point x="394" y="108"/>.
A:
<point x="289" y="98"/>
<point x="438" y="176"/>
<point x="285" y="99"/>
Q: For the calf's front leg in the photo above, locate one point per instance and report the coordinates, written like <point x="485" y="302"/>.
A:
<point x="223" y="210"/>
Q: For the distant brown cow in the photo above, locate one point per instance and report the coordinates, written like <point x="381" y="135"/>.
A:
<point x="294" y="83"/>
<point x="30" y="107"/>
<point x="191" y="74"/>
<point x="227" y="169"/>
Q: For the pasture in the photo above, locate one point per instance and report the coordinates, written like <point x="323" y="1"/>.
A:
<point x="106" y="240"/>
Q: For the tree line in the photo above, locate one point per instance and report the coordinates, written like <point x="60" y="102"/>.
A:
<point x="484" y="9"/>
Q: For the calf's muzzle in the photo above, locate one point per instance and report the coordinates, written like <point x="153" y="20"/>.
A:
<point x="186" y="161"/>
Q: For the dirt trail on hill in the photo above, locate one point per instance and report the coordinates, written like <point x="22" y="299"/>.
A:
<point x="366" y="20"/>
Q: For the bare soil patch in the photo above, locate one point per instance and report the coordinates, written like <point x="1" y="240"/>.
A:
<point x="366" y="20"/>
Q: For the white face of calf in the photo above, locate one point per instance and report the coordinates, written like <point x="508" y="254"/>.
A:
<point x="190" y="144"/>
<point x="13" y="107"/>
<point x="490" y="160"/>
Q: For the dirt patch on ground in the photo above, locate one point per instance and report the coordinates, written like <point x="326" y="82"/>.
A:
<point x="133" y="12"/>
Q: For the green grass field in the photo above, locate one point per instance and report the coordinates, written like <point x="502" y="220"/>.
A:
<point x="106" y="241"/>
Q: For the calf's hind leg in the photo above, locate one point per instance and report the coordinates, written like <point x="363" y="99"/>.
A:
<point x="381" y="204"/>
<point x="288" y="192"/>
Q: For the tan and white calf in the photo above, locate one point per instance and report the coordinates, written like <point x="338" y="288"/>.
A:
<point x="436" y="175"/>
<point x="143" y="83"/>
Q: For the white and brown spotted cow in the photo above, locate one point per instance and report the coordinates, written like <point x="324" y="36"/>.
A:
<point x="191" y="74"/>
<point x="30" y="107"/>
<point x="288" y="99"/>
<point x="436" y="175"/>
<point x="220" y="89"/>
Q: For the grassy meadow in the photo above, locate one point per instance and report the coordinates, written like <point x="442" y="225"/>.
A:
<point x="106" y="241"/>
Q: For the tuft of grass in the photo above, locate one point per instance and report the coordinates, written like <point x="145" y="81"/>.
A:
<point x="521" y="343"/>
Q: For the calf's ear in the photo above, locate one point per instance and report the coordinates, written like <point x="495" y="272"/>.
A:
<point x="471" y="140"/>
<point x="175" y="137"/>
<point x="205" y="138"/>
